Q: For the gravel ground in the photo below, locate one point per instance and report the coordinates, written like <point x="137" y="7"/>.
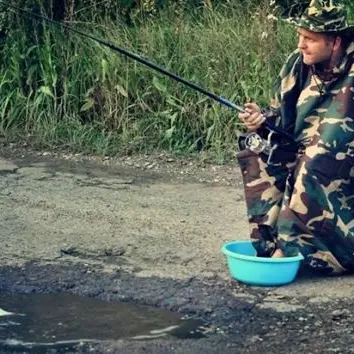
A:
<point x="148" y="230"/>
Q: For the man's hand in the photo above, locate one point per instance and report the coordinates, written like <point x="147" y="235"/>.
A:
<point x="253" y="118"/>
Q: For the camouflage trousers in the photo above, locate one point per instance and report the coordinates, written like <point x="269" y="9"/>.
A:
<point x="305" y="204"/>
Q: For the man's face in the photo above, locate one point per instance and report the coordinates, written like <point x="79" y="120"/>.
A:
<point x="315" y="47"/>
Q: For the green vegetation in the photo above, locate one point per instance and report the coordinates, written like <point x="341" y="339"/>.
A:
<point x="58" y="89"/>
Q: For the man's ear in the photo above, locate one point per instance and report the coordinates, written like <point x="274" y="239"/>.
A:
<point x="337" y="43"/>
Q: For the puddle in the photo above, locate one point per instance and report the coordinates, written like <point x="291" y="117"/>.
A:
<point x="61" y="320"/>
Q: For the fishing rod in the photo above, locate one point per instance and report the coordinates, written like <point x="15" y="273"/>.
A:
<point x="149" y="64"/>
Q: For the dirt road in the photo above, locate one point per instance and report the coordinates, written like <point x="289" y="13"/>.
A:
<point x="148" y="230"/>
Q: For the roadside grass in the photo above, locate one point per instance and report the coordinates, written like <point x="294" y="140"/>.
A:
<point x="60" y="90"/>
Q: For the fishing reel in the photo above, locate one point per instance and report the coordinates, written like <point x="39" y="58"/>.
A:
<point x="266" y="138"/>
<point x="257" y="144"/>
<point x="272" y="146"/>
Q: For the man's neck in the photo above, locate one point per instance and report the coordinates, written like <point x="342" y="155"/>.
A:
<point x="327" y="66"/>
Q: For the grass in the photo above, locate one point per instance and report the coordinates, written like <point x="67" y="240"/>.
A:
<point x="65" y="91"/>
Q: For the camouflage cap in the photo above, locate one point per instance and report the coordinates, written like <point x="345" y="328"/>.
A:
<point x="316" y="15"/>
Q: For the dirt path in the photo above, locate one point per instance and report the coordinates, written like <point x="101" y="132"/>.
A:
<point x="165" y="227"/>
<point x="152" y="227"/>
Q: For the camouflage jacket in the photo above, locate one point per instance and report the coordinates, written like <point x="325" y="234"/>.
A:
<point x="302" y="105"/>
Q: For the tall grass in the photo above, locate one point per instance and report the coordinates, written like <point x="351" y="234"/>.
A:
<point x="57" y="89"/>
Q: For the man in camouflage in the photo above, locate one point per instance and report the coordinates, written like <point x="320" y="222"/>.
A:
<point x="304" y="201"/>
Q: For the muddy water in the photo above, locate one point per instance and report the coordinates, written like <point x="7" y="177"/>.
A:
<point x="62" y="320"/>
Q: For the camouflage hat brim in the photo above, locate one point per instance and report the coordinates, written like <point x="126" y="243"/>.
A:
<point x="319" y="16"/>
<point x="322" y="27"/>
<point x="323" y="22"/>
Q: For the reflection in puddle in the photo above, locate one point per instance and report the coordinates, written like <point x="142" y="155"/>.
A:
<point x="6" y="313"/>
<point x="57" y="320"/>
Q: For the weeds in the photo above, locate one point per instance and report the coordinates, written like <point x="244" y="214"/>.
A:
<point x="63" y="90"/>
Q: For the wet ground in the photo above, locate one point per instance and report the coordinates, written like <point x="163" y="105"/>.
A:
<point x="39" y="322"/>
<point x="148" y="231"/>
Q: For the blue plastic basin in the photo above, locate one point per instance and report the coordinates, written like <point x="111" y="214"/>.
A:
<point x="245" y="267"/>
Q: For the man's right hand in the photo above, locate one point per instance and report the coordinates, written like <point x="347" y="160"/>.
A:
<point x="253" y="117"/>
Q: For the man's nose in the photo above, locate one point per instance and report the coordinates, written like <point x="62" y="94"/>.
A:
<point x="301" y="43"/>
